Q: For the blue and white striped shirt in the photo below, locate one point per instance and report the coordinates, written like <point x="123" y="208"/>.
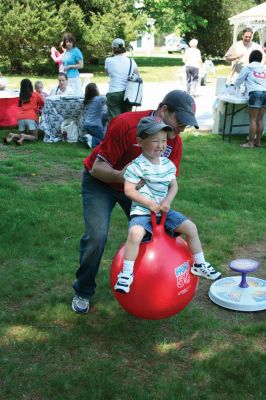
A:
<point x="157" y="178"/>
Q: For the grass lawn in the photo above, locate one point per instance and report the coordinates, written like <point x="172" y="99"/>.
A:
<point x="50" y="353"/>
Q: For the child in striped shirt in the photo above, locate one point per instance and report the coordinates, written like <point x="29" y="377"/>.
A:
<point x="150" y="182"/>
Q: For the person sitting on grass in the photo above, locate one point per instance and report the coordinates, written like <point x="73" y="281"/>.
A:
<point x="29" y="102"/>
<point x="93" y="114"/>
<point x="38" y="86"/>
<point x="254" y="76"/>
<point x="158" y="175"/>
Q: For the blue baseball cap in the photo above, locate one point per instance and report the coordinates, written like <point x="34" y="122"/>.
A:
<point x="151" y="125"/>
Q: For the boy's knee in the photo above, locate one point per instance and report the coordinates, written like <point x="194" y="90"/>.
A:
<point x="190" y="228"/>
<point x="193" y="227"/>
<point x="136" y="234"/>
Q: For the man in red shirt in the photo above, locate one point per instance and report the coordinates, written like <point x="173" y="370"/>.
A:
<point x="103" y="181"/>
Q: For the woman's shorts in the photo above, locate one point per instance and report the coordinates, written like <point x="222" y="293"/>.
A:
<point x="173" y="220"/>
<point x="27" y="124"/>
<point x="257" y="99"/>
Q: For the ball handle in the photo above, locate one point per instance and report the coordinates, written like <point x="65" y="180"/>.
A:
<point x="158" y="229"/>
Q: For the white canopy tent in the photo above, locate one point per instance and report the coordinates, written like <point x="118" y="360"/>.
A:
<point x="254" y="18"/>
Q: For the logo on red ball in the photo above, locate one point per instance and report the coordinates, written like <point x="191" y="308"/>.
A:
<point x="182" y="274"/>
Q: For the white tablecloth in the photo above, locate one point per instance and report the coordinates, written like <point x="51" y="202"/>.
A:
<point x="56" y="110"/>
<point x="9" y="94"/>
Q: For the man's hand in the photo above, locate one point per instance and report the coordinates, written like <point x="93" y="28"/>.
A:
<point x="140" y="184"/>
<point x="239" y="56"/>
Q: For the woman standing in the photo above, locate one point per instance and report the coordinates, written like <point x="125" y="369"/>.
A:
<point x="192" y="60"/>
<point x="72" y="62"/>
<point x="118" y="69"/>
<point x="254" y="76"/>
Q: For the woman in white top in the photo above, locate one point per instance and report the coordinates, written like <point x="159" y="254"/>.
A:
<point x="117" y="67"/>
<point x="192" y="60"/>
<point x="62" y="89"/>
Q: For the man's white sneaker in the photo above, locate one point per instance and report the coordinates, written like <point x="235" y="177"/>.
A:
<point x="206" y="270"/>
<point x="123" y="282"/>
<point x="80" y="305"/>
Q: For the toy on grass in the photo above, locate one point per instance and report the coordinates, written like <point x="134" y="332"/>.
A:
<point x="163" y="284"/>
<point x="240" y="293"/>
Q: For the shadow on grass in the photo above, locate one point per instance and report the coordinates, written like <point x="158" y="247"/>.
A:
<point x="111" y="355"/>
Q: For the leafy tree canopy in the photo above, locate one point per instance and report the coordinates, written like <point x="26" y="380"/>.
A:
<point x="30" y="27"/>
<point x="207" y="20"/>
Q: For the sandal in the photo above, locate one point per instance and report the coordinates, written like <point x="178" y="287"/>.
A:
<point x="247" y="145"/>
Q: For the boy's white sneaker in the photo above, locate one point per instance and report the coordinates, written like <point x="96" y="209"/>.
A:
<point x="123" y="282"/>
<point x="206" y="270"/>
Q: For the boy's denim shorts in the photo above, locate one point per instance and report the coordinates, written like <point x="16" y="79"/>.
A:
<point x="257" y="99"/>
<point x="24" y="124"/>
<point x="173" y="220"/>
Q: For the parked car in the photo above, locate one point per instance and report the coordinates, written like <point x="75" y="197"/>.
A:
<point x="176" y="45"/>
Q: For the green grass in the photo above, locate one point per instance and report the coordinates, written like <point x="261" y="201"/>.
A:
<point x="48" y="352"/>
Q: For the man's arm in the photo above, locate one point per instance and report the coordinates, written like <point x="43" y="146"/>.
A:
<point x="233" y="58"/>
<point x="232" y="54"/>
<point x="104" y="172"/>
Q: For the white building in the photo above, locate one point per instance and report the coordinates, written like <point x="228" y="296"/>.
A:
<point x="145" y="42"/>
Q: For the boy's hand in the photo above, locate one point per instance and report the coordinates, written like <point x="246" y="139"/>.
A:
<point x="165" y="206"/>
<point x="155" y="207"/>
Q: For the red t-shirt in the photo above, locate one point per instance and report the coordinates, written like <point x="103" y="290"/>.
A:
<point x="30" y="110"/>
<point x="120" y="146"/>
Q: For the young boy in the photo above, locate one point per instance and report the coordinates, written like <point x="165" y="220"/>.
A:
<point x="157" y="177"/>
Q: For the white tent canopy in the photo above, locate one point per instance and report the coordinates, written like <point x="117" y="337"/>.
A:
<point x="254" y="18"/>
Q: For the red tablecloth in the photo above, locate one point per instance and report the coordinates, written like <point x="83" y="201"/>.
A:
<point x="9" y="111"/>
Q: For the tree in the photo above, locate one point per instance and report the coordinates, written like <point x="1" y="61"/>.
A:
<point x="120" y="19"/>
<point x="207" y="20"/>
<point x="24" y="29"/>
<point x="30" y="27"/>
<point x="171" y="16"/>
<point x="216" y="37"/>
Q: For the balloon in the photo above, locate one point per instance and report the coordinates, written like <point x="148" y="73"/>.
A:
<point x="163" y="284"/>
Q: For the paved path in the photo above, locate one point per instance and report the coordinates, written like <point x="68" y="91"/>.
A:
<point x="154" y="92"/>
